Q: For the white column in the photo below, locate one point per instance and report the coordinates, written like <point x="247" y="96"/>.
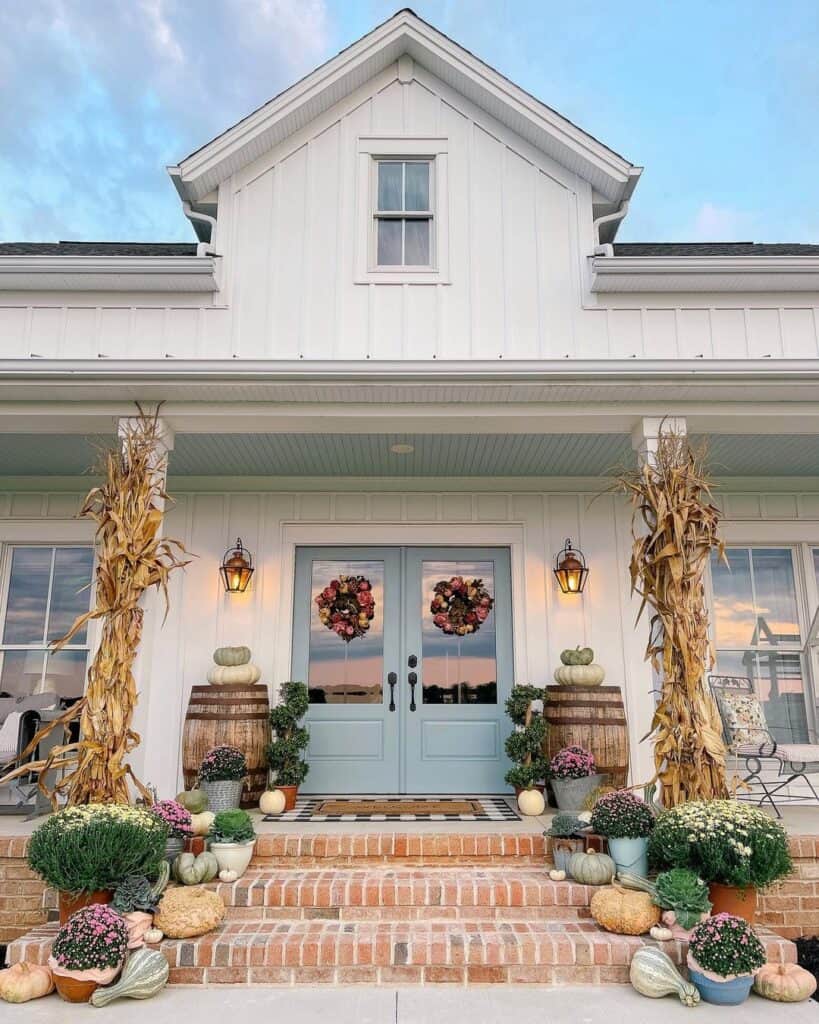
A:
<point x="150" y="720"/>
<point x="647" y="432"/>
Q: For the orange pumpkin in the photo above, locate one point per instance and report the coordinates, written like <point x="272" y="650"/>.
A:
<point x="784" y="983"/>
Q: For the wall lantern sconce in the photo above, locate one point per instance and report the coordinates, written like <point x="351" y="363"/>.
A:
<point x="237" y="568"/>
<point x="570" y="569"/>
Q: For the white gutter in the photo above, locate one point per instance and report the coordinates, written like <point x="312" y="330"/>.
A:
<point x="202" y="248"/>
<point x="705" y="273"/>
<point x="438" y="371"/>
<point x="608" y="248"/>
<point x="108" y="273"/>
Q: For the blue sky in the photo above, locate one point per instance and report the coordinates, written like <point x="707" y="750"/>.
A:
<point x="718" y="100"/>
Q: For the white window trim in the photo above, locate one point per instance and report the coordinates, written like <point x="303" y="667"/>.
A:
<point x="6" y="552"/>
<point x="372" y="148"/>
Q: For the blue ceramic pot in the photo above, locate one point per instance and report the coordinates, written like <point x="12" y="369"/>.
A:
<point x="630" y="855"/>
<point x="722" y="993"/>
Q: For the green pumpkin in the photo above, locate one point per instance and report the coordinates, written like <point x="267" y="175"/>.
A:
<point x="194" y="800"/>
<point x="231" y="655"/>
<point x="577" y="656"/>
<point x="192" y="870"/>
<point x="592" y="868"/>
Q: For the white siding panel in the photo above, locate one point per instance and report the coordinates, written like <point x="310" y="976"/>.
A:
<point x="593" y="340"/>
<point x="455" y="299"/>
<point x="80" y="338"/>
<point x="520" y="252"/>
<point x="13" y="332"/>
<point x="728" y="333"/>
<point x="625" y="334"/>
<point x="422" y="109"/>
<point x="148" y="333"/>
<point x="290" y="286"/>
<point x="387" y="340"/>
<point x="555" y="273"/>
<point x="322" y="251"/>
<point x="764" y="334"/>
<point x="252" y="290"/>
<point x="799" y="334"/>
<point x="421" y="305"/>
<point x="352" y="301"/>
<point x="694" y="334"/>
<point x="388" y="108"/>
<point x="660" y="326"/>
<point x="486" y="215"/>
<point x="115" y="333"/>
<point x="46" y="331"/>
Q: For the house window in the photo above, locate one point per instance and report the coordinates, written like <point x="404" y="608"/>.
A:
<point x="403" y="216"/>
<point x="44" y="590"/>
<point x="758" y="633"/>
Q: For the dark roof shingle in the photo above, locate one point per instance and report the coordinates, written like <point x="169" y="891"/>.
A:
<point x="97" y="248"/>
<point x="715" y="249"/>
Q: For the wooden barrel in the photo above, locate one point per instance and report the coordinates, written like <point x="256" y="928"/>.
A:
<point x="238" y="716"/>
<point x="592" y="717"/>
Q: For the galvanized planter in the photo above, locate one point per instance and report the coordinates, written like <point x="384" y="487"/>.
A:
<point x="570" y="794"/>
<point x="223" y="795"/>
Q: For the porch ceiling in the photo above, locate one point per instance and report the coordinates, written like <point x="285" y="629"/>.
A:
<point x="434" y="455"/>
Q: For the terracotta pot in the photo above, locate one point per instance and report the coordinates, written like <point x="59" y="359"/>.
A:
<point x="733" y="899"/>
<point x="290" y="794"/>
<point x="195" y="845"/>
<point x="72" y="990"/>
<point x="69" y="903"/>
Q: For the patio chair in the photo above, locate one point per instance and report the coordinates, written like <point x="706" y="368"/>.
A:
<point x="748" y="738"/>
<point x="20" y="719"/>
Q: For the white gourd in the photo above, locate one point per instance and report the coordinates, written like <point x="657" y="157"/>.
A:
<point x="234" y="675"/>
<point x="145" y="973"/>
<point x="231" y="655"/>
<point x="580" y="675"/>
<point x="154" y="935"/>
<point x="653" y="974"/>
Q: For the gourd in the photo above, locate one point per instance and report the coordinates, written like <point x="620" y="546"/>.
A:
<point x="577" y="656"/>
<point x="194" y="800"/>
<point x="592" y="868"/>
<point x="531" y="802"/>
<point x="201" y="823"/>
<point x="234" y="675"/>
<point x="272" y="801"/>
<point x="231" y="655"/>
<point x="22" y="982"/>
<point x="784" y="983"/>
<point x="623" y="911"/>
<point x="154" y="935"/>
<point x="145" y="973"/>
<point x="191" y="870"/>
<point x="580" y="675"/>
<point x="228" y="875"/>
<point x="653" y="974"/>
<point x="660" y="933"/>
<point x="557" y="876"/>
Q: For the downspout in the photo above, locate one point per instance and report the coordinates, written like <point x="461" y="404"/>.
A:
<point x="203" y="248"/>
<point x="607" y="249"/>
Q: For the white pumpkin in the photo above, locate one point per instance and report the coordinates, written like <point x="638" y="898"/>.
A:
<point x="557" y="876"/>
<point x="153" y="936"/>
<point x="228" y="875"/>
<point x="272" y="801"/>
<point x="660" y="933"/>
<point x="580" y="675"/>
<point x="234" y="675"/>
<point x="531" y="802"/>
<point x="201" y="823"/>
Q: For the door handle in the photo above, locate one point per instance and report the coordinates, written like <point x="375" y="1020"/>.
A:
<point x="392" y="679"/>
<point x="413" y="679"/>
<point x="412" y="661"/>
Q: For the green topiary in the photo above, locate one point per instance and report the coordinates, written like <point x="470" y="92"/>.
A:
<point x="684" y="892"/>
<point x="284" y="754"/>
<point x="525" y="745"/>
<point x="233" y="826"/>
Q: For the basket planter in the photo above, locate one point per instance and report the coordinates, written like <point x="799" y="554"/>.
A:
<point x="233" y="856"/>
<point x="224" y="794"/>
<point x="69" y="903"/>
<point x="174" y="845"/>
<point x="571" y="794"/>
<point x="563" y="848"/>
<point x="630" y="855"/>
<point x="722" y="993"/>
<point x="740" y="901"/>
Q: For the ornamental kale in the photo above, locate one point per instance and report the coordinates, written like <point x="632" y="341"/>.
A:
<point x="232" y="827"/>
<point x="684" y="892"/>
<point x="622" y="815"/>
<point x="94" y="938"/>
<point x="223" y="764"/>
<point x="725" y="945"/>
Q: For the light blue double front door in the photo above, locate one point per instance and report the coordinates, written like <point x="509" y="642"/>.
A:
<point x="407" y="653"/>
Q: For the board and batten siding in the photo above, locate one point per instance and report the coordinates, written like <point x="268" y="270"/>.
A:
<point x="519" y="231"/>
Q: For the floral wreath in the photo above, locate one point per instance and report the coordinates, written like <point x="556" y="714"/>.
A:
<point x="460" y="606"/>
<point x="347" y="606"/>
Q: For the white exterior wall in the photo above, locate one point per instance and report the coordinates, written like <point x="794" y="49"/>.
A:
<point x="177" y="655"/>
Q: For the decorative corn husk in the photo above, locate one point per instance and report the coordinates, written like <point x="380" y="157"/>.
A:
<point x="674" y="526"/>
<point x="132" y="556"/>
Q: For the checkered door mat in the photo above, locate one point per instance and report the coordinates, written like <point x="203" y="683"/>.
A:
<point x="318" y="809"/>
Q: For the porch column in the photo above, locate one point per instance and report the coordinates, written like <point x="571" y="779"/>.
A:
<point x="647" y="433"/>
<point x="154" y="760"/>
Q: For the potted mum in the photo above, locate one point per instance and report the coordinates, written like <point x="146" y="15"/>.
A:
<point x="89" y="951"/>
<point x="724" y="954"/>
<point x="626" y="821"/>
<point x="573" y="774"/>
<point x="232" y="839"/>
<point x="180" y="827"/>
<point x="222" y="776"/>
<point x="284" y="753"/>
<point x="732" y="846"/>
<point x="85" y="851"/>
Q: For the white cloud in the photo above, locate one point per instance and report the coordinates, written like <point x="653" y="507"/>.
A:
<point x="714" y="223"/>
<point x="162" y="35"/>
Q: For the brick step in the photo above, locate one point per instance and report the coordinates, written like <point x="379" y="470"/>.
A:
<point x="310" y="952"/>
<point x="398" y="893"/>
<point x="408" y="849"/>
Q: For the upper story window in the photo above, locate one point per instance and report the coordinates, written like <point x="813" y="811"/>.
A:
<point x="44" y="589"/>
<point x="404" y="215"/>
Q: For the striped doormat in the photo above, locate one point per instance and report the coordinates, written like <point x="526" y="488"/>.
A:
<point x="396" y="808"/>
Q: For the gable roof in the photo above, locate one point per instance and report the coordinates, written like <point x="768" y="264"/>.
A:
<point x="97" y="248"/>
<point x="610" y="174"/>
<point x="715" y="249"/>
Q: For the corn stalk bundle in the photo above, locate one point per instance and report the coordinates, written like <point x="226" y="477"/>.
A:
<point x="132" y="557"/>
<point x="674" y="529"/>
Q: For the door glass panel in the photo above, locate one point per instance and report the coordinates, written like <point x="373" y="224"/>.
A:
<point x="459" y="659"/>
<point x="756" y="627"/>
<point x="346" y="662"/>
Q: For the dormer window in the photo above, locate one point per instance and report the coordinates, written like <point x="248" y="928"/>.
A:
<point x="403" y="217"/>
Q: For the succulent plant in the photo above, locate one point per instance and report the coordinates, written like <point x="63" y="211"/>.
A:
<point x="135" y="892"/>
<point x="684" y="892"/>
<point x="565" y="825"/>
